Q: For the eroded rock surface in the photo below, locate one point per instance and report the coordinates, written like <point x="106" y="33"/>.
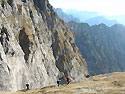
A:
<point x="35" y="46"/>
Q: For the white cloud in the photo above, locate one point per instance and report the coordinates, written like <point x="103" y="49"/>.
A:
<point x="108" y="7"/>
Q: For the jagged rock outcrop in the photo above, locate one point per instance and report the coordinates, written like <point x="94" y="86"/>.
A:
<point x="35" y="46"/>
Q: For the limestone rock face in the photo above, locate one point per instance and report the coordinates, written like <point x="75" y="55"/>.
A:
<point x="36" y="46"/>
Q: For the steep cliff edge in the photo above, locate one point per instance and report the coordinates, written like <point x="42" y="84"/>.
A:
<point x="35" y="46"/>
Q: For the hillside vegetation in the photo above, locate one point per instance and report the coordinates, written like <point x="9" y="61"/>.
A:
<point x="103" y="47"/>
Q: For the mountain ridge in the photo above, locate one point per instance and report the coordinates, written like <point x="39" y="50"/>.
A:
<point x="102" y="46"/>
<point x="92" y="18"/>
<point x="64" y="16"/>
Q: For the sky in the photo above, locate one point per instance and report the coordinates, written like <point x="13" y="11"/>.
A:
<point x="106" y="7"/>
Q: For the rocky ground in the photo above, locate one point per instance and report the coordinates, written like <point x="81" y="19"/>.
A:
<point x="113" y="83"/>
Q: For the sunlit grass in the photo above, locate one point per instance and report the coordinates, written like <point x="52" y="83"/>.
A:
<point x="113" y="83"/>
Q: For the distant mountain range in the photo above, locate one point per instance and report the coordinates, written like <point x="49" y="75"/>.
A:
<point x="64" y="16"/>
<point x="103" y="47"/>
<point x="92" y="18"/>
<point x="119" y="18"/>
<point x="82" y="15"/>
<point x="100" y="19"/>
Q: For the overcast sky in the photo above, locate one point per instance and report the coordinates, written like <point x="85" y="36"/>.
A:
<point x="107" y="7"/>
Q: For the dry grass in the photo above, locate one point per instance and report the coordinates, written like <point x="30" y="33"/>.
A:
<point x="113" y="83"/>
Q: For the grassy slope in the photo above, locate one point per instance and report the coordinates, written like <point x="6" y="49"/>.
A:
<point x="113" y="83"/>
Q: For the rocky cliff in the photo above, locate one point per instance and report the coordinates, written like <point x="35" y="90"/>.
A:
<point x="103" y="47"/>
<point x="36" y="46"/>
